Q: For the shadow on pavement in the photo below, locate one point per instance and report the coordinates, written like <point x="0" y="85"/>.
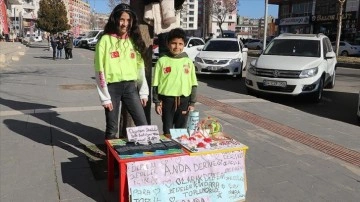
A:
<point x="64" y="134"/>
<point x="44" y="57"/>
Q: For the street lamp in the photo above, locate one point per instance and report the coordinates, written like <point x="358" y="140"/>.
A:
<point x="339" y="26"/>
<point x="265" y="27"/>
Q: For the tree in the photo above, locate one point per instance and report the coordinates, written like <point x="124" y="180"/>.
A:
<point x="113" y="3"/>
<point x="220" y="9"/>
<point x="52" y="16"/>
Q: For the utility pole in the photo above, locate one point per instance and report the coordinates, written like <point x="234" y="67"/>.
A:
<point x="339" y="26"/>
<point x="266" y="24"/>
<point x="204" y="19"/>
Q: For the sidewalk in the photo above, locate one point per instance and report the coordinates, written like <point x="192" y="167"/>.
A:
<point x="52" y="136"/>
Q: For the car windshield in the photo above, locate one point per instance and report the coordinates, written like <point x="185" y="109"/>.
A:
<point x="294" y="47"/>
<point x="223" y="46"/>
<point x="92" y="34"/>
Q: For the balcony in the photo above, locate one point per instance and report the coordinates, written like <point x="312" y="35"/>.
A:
<point x="14" y="2"/>
<point x="30" y="6"/>
<point x="28" y="16"/>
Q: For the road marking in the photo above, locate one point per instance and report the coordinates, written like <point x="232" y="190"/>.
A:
<point x="98" y="108"/>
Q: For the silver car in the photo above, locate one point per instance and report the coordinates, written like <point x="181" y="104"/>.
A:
<point x="222" y="56"/>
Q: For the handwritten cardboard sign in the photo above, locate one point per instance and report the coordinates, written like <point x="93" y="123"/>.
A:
<point x="215" y="177"/>
<point x="143" y="134"/>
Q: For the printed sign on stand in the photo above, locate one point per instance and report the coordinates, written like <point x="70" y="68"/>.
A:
<point x="143" y="134"/>
<point x="205" y="178"/>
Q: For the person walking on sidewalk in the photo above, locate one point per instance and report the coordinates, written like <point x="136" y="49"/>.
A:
<point x="68" y="46"/>
<point x="53" y="42"/>
<point x="174" y="84"/>
<point x="120" y="69"/>
<point x="60" y="46"/>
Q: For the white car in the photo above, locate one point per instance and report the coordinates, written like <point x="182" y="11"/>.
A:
<point x="255" y="44"/>
<point x="346" y="49"/>
<point x="222" y="56"/>
<point x="90" y="39"/>
<point x="294" y="64"/>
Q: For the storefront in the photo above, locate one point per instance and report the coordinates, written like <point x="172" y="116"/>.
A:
<point x="299" y="25"/>
<point x="327" y="24"/>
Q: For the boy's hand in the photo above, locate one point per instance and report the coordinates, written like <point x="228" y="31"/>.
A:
<point x="191" y="108"/>
<point x="158" y="110"/>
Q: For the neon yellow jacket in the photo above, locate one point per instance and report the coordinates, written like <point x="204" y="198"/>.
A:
<point x="117" y="60"/>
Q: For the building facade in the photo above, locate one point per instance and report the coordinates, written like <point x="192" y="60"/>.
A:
<point x="319" y="16"/>
<point x="78" y="14"/>
<point x="189" y="17"/>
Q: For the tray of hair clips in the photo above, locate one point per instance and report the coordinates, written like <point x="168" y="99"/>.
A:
<point x="127" y="149"/>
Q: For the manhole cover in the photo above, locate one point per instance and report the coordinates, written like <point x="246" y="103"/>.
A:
<point x="78" y="87"/>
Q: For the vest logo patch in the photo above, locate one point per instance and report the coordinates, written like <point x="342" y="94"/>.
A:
<point x="115" y="54"/>
<point x="132" y="55"/>
<point x="186" y="69"/>
<point x="167" y="70"/>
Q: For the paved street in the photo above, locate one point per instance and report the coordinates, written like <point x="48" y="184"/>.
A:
<point x="50" y="115"/>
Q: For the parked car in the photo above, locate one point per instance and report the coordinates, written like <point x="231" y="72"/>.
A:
<point x="346" y="48"/>
<point x="192" y="48"/>
<point x="294" y="64"/>
<point x="92" y="43"/>
<point x="255" y="44"/>
<point x="76" y="41"/>
<point x="90" y="38"/>
<point x="222" y="56"/>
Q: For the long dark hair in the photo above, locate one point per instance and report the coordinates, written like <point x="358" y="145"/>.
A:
<point x="113" y="27"/>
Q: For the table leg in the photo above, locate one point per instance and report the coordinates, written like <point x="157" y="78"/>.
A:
<point x="123" y="193"/>
<point x="110" y="175"/>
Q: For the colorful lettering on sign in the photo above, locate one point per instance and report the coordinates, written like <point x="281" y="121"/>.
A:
<point x="215" y="177"/>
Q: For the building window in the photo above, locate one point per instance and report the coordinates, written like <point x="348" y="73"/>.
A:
<point x="191" y="25"/>
<point x="191" y="19"/>
<point x="191" y="6"/>
<point x="284" y="11"/>
<point x="230" y="17"/>
<point x="229" y="24"/>
<point x="302" y="9"/>
<point x="191" y="12"/>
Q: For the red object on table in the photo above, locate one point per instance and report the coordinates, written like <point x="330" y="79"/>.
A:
<point x="123" y="186"/>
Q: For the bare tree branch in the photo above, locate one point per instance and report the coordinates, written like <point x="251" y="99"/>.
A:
<point x="220" y="9"/>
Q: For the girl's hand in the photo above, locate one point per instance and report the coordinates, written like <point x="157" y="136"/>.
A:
<point x="158" y="110"/>
<point x="108" y="106"/>
<point x="143" y="102"/>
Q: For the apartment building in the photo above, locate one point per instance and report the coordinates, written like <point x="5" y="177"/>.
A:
<point x="78" y="14"/>
<point x="189" y="17"/>
<point x="21" y="16"/>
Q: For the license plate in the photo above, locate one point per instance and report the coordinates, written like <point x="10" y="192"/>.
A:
<point x="213" y="68"/>
<point x="275" y="83"/>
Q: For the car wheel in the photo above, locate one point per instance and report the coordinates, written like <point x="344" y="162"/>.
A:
<point x="332" y="83"/>
<point x="317" y="96"/>
<point x="344" y="53"/>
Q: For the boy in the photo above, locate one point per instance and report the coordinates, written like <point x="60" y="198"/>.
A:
<point x="174" y="84"/>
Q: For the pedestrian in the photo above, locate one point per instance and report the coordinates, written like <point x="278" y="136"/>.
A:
<point x="174" y="83"/>
<point x="120" y="69"/>
<point x="53" y="42"/>
<point x="69" y="46"/>
<point x="60" y="46"/>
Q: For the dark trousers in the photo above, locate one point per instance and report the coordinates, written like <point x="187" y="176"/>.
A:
<point x="54" y="51"/>
<point x="125" y="92"/>
<point x="172" y="118"/>
<point x="68" y="53"/>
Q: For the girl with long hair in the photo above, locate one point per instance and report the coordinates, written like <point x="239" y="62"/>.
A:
<point x="120" y="69"/>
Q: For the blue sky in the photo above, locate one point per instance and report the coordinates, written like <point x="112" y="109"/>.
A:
<point x="249" y="8"/>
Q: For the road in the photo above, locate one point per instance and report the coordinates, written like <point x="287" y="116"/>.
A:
<point x="50" y="116"/>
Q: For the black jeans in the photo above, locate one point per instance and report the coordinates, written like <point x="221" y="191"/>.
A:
<point x="68" y="53"/>
<point x="174" y="118"/>
<point x="125" y="92"/>
<point x="54" y="51"/>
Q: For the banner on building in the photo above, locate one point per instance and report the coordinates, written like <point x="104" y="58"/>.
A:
<point x="295" y="21"/>
<point x="3" y="17"/>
